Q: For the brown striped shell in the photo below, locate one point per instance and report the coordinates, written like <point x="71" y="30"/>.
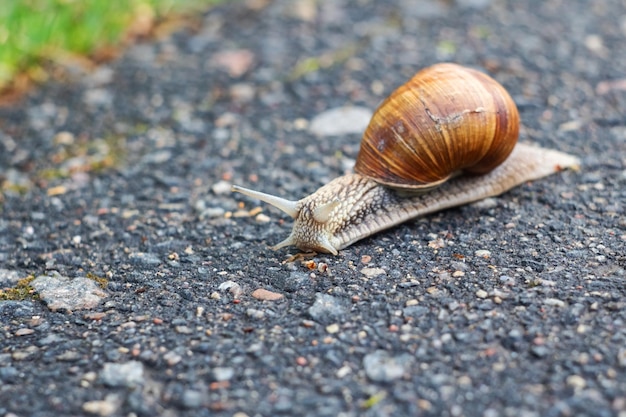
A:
<point x="444" y="120"/>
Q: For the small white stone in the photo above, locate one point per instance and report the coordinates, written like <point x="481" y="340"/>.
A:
<point x="373" y="272"/>
<point x="554" y="302"/>
<point x="221" y="187"/>
<point x="232" y="287"/>
<point x="129" y="374"/>
<point x="332" y="328"/>
<point x="343" y="371"/>
<point x="576" y="381"/>
<point x="262" y="218"/>
<point x="106" y="407"/>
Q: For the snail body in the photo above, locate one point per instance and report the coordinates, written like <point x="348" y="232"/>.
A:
<point x="445" y="138"/>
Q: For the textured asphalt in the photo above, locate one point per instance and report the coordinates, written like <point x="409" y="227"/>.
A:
<point x="511" y="307"/>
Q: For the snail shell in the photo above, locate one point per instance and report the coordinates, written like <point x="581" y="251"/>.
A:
<point x="445" y="119"/>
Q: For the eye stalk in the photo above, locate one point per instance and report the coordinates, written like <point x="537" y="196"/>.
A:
<point x="286" y="206"/>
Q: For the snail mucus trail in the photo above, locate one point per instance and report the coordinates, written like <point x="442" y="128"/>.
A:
<point x="445" y="138"/>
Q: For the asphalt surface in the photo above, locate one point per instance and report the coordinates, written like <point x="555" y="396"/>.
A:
<point x="512" y="307"/>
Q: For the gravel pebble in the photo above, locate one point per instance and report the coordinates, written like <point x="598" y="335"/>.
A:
<point x="380" y="366"/>
<point x="106" y="407"/>
<point x="341" y="121"/>
<point x="254" y="313"/>
<point x="232" y="287"/>
<point x="483" y="253"/>
<point x="172" y="358"/>
<point x="332" y="328"/>
<point x="183" y="330"/>
<point x="554" y="302"/>
<point x="263" y="294"/>
<point x="9" y="278"/>
<point x="144" y="259"/>
<point x="576" y="381"/>
<point x="482" y="294"/>
<point x="414" y="311"/>
<point x="621" y="357"/>
<point x="192" y="399"/>
<point x="211" y="213"/>
<point x="327" y="308"/>
<point x="9" y="375"/>
<point x="221" y="187"/>
<point x="373" y="272"/>
<point x="223" y="373"/>
<point x="69" y="294"/>
<point x="129" y="374"/>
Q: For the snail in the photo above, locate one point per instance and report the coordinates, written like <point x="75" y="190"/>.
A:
<point x="447" y="137"/>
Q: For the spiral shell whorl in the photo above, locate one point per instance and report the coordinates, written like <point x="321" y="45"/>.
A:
<point x="445" y="119"/>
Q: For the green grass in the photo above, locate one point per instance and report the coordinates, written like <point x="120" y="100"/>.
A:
<point x="33" y="32"/>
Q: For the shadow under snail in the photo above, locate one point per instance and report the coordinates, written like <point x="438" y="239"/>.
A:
<point x="447" y="137"/>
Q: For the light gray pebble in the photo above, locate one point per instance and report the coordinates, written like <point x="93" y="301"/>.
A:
<point x="507" y="280"/>
<point x="380" y="366"/>
<point x="577" y="309"/>
<point x="242" y="92"/>
<point x="474" y="4"/>
<point x="9" y="375"/>
<point x="101" y="76"/>
<point x="183" y="330"/>
<point x="555" y="302"/>
<point x="157" y="157"/>
<point x="129" y="374"/>
<point x="221" y="187"/>
<point x="539" y="351"/>
<point x="423" y="9"/>
<point x="621" y="357"/>
<point x="9" y="278"/>
<point x="327" y="308"/>
<point x="490" y="412"/>
<point x="232" y="287"/>
<point x="106" y="407"/>
<point x="64" y="293"/>
<point x="223" y="373"/>
<point x="16" y="309"/>
<point x="459" y="266"/>
<point x="295" y="281"/>
<point x="212" y="213"/>
<point x="414" y="311"/>
<point x="97" y="97"/>
<point x="341" y="121"/>
<point x="172" y="358"/>
<point x="68" y="356"/>
<point x="253" y="313"/>
<point x="144" y="259"/>
<point x="192" y="399"/>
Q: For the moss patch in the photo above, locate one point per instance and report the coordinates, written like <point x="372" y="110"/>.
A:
<point x="102" y="282"/>
<point x="21" y="291"/>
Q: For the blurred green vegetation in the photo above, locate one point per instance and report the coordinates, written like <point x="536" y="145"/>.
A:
<point x="33" y="32"/>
